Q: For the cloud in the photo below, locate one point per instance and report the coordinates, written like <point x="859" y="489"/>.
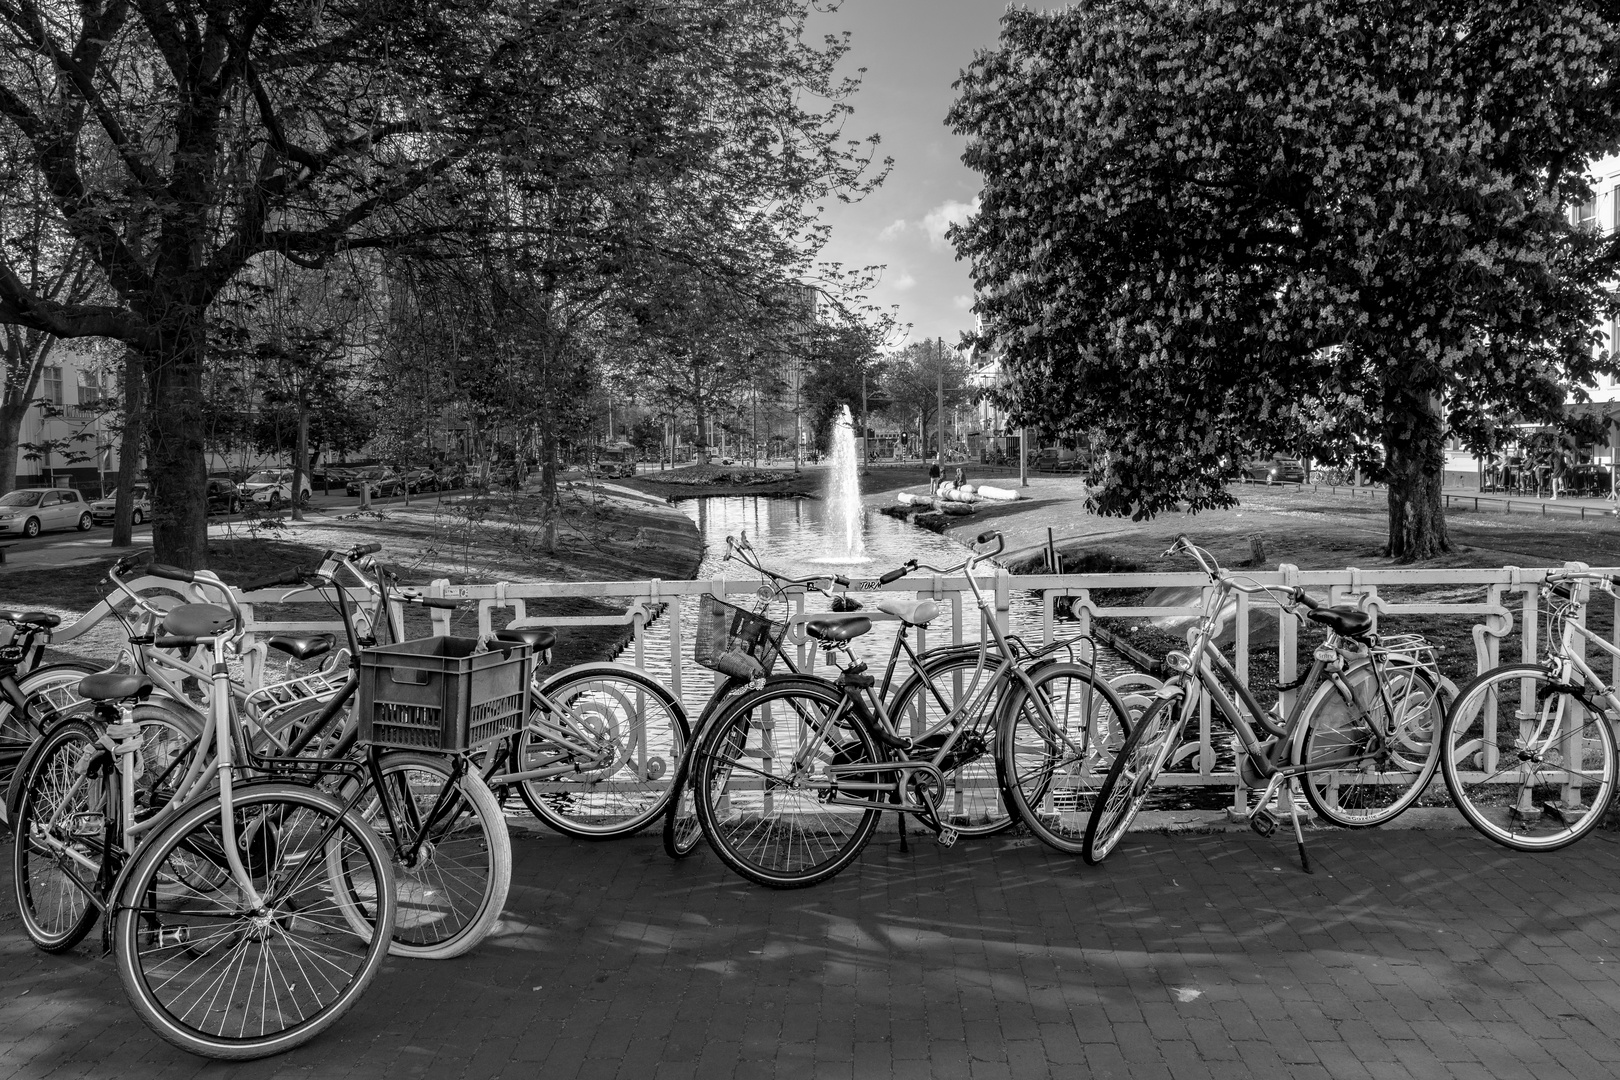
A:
<point x="948" y="213"/>
<point x="903" y="282"/>
<point x="961" y="303"/>
<point x="893" y="229"/>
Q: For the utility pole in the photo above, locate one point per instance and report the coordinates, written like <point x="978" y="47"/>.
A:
<point x="866" y="429"/>
<point x="939" y="372"/>
<point x="1023" y="457"/>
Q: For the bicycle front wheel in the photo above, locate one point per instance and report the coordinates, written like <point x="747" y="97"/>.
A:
<point x="1371" y="743"/>
<point x="605" y="741"/>
<point x="220" y="977"/>
<point x="682" y="832"/>
<point x="1130" y="778"/>
<point x="65" y="822"/>
<point x="769" y="777"/>
<point x="1529" y="761"/>
<point x="49" y="693"/>
<point x="1056" y="747"/>
<point x="452" y="875"/>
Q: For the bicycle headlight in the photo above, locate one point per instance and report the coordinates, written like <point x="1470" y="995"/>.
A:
<point x="1178" y="661"/>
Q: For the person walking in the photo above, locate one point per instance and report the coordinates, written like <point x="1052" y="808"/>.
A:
<point x="933" y="477"/>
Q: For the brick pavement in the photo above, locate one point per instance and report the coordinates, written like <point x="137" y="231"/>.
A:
<point x="1408" y="954"/>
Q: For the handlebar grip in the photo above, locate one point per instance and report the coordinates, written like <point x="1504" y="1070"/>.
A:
<point x="894" y="575"/>
<point x="173" y="573"/>
<point x="286" y="577"/>
<point x="439" y="602"/>
<point x="364" y="549"/>
<point x="1303" y="599"/>
<point x="987" y="536"/>
<point x="841" y="581"/>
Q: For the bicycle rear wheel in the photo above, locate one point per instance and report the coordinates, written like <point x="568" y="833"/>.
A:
<point x="972" y="803"/>
<point x="1053" y="769"/>
<point x="766" y="776"/>
<point x="614" y="735"/>
<point x="1385" y="744"/>
<point x="49" y="693"/>
<point x="682" y="832"/>
<point x="451" y="891"/>
<point x="216" y="977"/>
<point x="1130" y="778"/>
<point x="1527" y="760"/>
<point x="65" y="823"/>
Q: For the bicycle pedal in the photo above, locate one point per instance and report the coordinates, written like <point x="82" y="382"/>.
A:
<point x="1263" y="821"/>
<point x="946" y="837"/>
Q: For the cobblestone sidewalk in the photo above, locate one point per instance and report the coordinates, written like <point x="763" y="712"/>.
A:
<point x="1407" y="954"/>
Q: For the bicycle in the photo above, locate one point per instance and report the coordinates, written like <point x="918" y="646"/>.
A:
<point x="226" y="918"/>
<point x="1364" y="756"/>
<point x="33" y="696"/>
<point x="843" y="761"/>
<point x="1528" y="750"/>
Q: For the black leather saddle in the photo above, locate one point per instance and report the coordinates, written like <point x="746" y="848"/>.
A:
<point x="1347" y="621"/>
<point x="302" y="646"/>
<point x="844" y="629"/>
<point x="114" y="686"/>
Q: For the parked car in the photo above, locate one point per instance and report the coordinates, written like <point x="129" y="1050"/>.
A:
<point x="451" y="477"/>
<point x="30" y="511"/>
<point x="419" y="479"/>
<point x="1275" y="470"/>
<point x="224" y="497"/>
<point x="102" y="511"/>
<point x="273" y="488"/>
<point x="382" y="481"/>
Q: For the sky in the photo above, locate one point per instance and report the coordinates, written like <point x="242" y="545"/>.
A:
<point x="913" y="51"/>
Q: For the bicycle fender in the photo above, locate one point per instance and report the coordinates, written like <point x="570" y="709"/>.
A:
<point x="1169" y="691"/>
<point x="606" y="667"/>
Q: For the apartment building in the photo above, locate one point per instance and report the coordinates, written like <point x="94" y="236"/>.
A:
<point x="67" y="435"/>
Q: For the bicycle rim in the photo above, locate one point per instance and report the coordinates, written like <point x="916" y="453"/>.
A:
<point x="1371" y="754"/>
<point x="218" y="979"/>
<point x="49" y="692"/>
<point x="1130" y="779"/>
<point x="972" y="802"/>
<point x="1053" y="770"/>
<point x="63" y="819"/>
<point x="763" y="776"/>
<point x="1525" y="761"/>
<point x="621" y="736"/>
<point x="451" y="892"/>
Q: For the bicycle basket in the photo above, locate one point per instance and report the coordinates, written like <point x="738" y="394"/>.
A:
<point x="725" y="628"/>
<point x="441" y="693"/>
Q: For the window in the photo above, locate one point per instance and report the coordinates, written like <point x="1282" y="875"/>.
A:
<point x="1585" y="215"/>
<point x="50" y="384"/>
<point x="94" y="387"/>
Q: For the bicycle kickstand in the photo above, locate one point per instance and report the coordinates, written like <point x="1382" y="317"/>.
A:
<point x="1299" y="833"/>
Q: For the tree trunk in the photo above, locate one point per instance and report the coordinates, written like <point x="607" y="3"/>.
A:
<point x="129" y="450"/>
<point x="177" y="458"/>
<point x="1414" y="449"/>
<point x="11" y="420"/>
<point x="301" y="460"/>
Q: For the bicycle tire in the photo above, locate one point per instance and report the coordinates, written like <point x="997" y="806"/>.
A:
<point x="1378" y="790"/>
<point x="1130" y="778"/>
<point x="1484" y="736"/>
<point x="451" y="897"/>
<point x="176" y="976"/>
<point x="1052" y="777"/>
<point x="783" y="837"/>
<point x="53" y="687"/>
<point x="53" y="895"/>
<point x="973" y="802"/>
<point x="627" y="783"/>
<point x="682" y="833"/>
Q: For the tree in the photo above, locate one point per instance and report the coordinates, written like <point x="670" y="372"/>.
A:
<point x="917" y="375"/>
<point x="840" y="355"/>
<point x="1202" y="222"/>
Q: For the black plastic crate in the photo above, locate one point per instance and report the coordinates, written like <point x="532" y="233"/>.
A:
<point x="441" y="693"/>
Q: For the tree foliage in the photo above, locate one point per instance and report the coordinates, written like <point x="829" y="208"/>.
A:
<point x="1204" y="223"/>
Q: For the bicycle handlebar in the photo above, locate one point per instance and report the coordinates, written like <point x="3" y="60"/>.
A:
<point x="286" y="577"/>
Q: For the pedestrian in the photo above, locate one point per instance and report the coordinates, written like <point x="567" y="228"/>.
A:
<point x="961" y="477"/>
<point x="933" y="477"/>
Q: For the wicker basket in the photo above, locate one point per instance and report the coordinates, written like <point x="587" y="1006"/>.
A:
<point x="441" y="693"/>
<point x="726" y="628"/>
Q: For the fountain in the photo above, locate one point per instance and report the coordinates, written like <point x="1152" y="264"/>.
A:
<point x="845" y="516"/>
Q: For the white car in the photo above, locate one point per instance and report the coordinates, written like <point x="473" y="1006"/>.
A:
<point x="273" y="488"/>
<point x="29" y="511"/>
<point x="103" y="510"/>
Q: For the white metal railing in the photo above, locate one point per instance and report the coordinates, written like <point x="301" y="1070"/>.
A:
<point x="1502" y="598"/>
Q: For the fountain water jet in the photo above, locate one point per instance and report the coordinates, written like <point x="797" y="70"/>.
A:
<point x="845" y="516"/>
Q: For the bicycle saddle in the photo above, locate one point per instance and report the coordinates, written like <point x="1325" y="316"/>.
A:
<point x="537" y="638"/>
<point x="114" y="686"/>
<point x="1348" y="621"/>
<point x="31" y="618"/>
<point x="302" y="646"/>
<point x="198" y="620"/>
<point x="910" y="612"/>
<point x="835" y="629"/>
